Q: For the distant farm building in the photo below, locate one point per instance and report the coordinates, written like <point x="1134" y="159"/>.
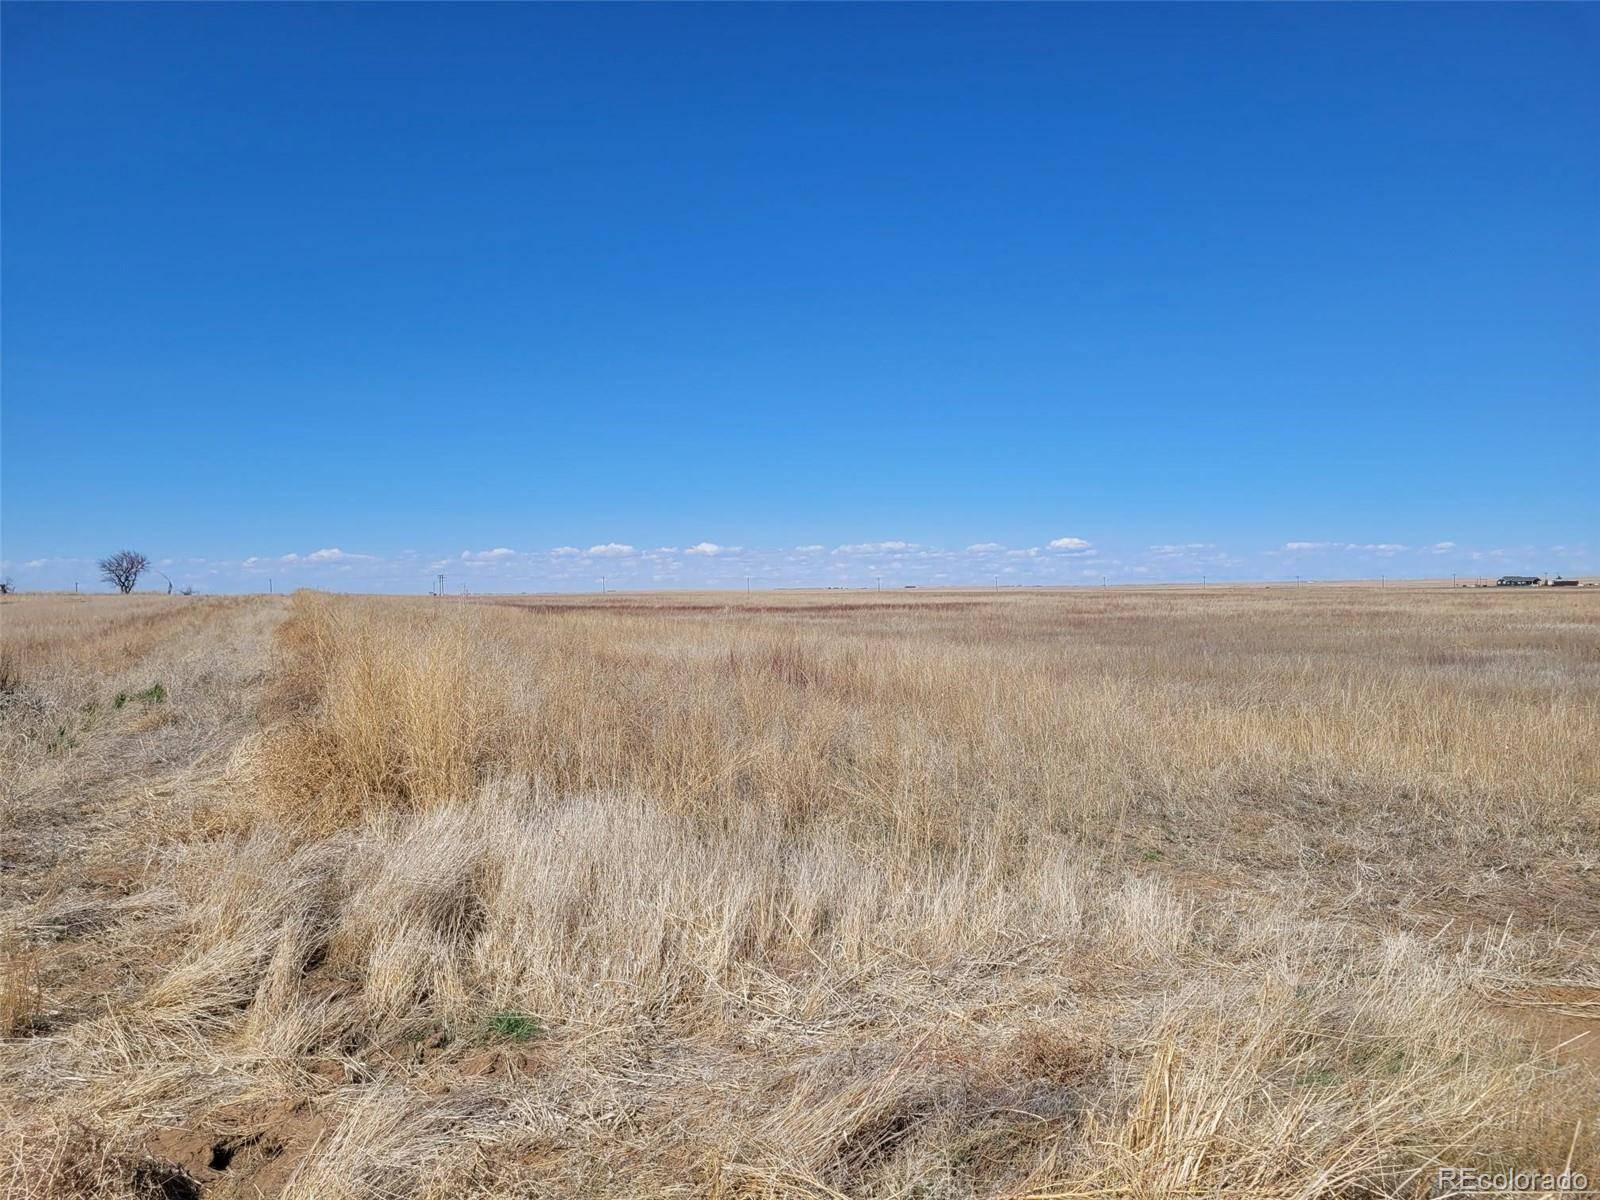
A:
<point x="1560" y="582"/>
<point x="1517" y="581"/>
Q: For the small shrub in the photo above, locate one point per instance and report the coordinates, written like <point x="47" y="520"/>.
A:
<point x="1057" y="1054"/>
<point x="514" y="1027"/>
<point x="154" y="694"/>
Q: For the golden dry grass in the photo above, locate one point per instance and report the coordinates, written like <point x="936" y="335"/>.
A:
<point x="1209" y="893"/>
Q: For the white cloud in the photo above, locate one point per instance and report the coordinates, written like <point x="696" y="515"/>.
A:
<point x="611" y="550"/>
<point x="499" y="552"/>
<point x="1440" y="548"/>
<point x="1386" y="549"/>
<point x="1069" y="543"/>
<point x="809" y="549"/>
<point x="875" y="547"/>
<point x="565" y="552"/>
<point x="984" y="548"/>
<point x="330" y="554"/>
<point x="711" y="549"/>
<point x="1182" y="548"/>
<point x="58" y="561"/>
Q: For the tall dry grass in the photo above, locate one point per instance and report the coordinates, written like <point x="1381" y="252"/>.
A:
<point x="1116" y="895"/>
<point x="1179" y="717"/>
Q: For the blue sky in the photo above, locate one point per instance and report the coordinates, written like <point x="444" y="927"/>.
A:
<point x="347" y="295"/>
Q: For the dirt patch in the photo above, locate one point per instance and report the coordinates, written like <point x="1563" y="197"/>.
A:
<point x="245" y="1152"/>
<point x="1561" y="1019"/>
<point x="498" y="1063"/>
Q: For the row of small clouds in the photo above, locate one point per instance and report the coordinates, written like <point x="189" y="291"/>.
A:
<point x="331" y="554"/>
<point x="1382" y="549"/>
<point x="901" y="551"/>
<point x="706" y="563"/>
<point x="893" y="547"/>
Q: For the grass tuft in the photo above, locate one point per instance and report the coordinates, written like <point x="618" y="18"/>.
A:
<point x="512" y="1026"/>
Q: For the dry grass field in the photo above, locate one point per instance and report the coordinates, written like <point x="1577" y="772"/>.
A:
<point x="1220" y="893"/>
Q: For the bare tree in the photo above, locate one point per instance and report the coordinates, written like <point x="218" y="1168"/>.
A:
<point x="6" y="587"/>
<point x="122" y="569"/>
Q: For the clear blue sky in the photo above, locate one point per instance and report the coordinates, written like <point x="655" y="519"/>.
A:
<point x="1192" y="285"/>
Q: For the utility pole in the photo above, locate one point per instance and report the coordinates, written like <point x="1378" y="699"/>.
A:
<point x="269" y="585"/>
<point x="747" y="585"/>
<point x="602" y="585"/>
<point x="880" y="583"/>
<point x="997" y="583"/>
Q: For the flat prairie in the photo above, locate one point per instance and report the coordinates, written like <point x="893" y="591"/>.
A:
<point x="1223" y="892"/>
